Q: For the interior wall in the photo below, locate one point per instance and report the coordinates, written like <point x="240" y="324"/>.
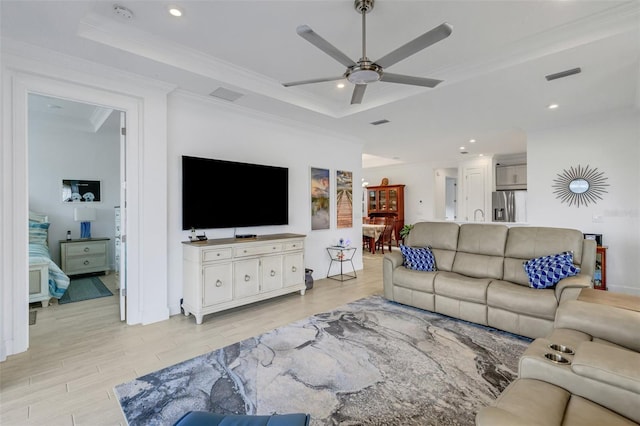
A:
<point x="26" y="71"/>
<point x="217" y="129"/>
<point x="611" y="144"/>
<point x="58" y="150"/>
<point x="419" y="188"/>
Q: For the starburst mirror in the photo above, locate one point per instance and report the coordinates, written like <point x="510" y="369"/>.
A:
<point x="580" y="186"/>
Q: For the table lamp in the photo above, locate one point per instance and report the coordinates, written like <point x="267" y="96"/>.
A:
<point x="84" y="215"/>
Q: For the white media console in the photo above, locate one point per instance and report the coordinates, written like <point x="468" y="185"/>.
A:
<point x="225" y="273"/>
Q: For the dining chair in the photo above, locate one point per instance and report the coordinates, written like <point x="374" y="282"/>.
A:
<point x="386" y="237"/>
<point x="378" y="220"/>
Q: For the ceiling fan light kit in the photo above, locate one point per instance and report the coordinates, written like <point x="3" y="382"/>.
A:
<point x="365" y="71"/>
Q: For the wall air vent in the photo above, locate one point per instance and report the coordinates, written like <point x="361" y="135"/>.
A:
<point x="563" y="74"/>
<point x="226" y="94"/>
<point x="379" y="122"/>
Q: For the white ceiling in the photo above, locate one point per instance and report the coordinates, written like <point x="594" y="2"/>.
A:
<point x="493" y="65"/>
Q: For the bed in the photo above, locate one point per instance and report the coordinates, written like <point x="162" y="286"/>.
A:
<point x="46" y="279"/>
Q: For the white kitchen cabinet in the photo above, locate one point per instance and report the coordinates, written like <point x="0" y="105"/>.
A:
<point x="511" y="177"/>
<point x="225" y="273"/>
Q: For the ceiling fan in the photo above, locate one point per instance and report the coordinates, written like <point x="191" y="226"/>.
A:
<point x="365" y="71"/>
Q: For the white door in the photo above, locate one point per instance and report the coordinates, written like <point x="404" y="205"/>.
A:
<point x="122" y="276"/>
<point x="474" y="195"/>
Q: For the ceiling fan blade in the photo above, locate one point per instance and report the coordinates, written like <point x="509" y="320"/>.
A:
<point x="308" y="34"/>
<point x="433" y="36"/>
<point x="358" y="93"/>
<point x="314" y="80"/>
<point x="407" y="79"/>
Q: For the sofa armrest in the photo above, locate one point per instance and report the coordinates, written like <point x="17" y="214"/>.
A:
<point x="389" y="263"/>
<point x="616" y="325"/>
<point x="608" y="364"/>
<point x="569" y="288"/>
<point x="395" y="257"/>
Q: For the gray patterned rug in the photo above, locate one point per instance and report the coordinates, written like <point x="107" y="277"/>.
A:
<point x="371" y="362"/>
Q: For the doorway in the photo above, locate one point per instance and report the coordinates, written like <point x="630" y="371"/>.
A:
<point x="80" y="142"/>
<point x="450" y="198"/>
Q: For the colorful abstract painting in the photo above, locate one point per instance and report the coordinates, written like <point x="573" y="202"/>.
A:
<point x="320" y="197"/>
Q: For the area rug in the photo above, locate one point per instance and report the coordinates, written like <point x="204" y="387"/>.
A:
<point x="371" y="362"/>
<point x="84" y="289"/>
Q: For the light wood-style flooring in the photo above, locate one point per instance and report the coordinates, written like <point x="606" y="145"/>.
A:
<point x="79" y="351"/>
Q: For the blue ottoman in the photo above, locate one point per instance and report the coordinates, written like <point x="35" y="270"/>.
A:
<point x="202" y="418"/>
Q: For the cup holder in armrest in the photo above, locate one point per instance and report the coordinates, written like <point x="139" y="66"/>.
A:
<point x="557" y="358"/>
<point x="562" y="348"/>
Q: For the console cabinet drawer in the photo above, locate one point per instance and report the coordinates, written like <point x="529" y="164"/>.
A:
<point x="257" y="250"/>
<point x="211" y="255"/>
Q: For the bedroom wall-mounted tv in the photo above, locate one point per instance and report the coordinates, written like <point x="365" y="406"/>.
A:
<point x="228" y="194"/>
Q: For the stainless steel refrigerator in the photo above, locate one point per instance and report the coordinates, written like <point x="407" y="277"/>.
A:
<point x="509" y="206"/>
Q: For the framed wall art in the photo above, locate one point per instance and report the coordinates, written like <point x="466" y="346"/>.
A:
<point x="320" y="197"/>
<point x="580" y="186"/>
<point x="344" y="198"/>
<point x="81" y="191"/>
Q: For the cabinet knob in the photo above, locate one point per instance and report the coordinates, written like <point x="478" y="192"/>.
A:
<point x="273" y="273"/>
<point x="218" y="283"/>
<point x="294" y="269"/>
<point x="86" y="249"/>
<point x="247" y="278"/>
<point x="86" y="262"/>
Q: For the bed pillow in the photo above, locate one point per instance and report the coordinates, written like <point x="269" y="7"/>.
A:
<point x="547" y="271"/>
<point x="418" y="258"/>
<point x="38" y="232"/>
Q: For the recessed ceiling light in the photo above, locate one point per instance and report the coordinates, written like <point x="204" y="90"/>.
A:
<point x="340" y="85"/>
<point x="462" y="147"/>
<point x="174" y="11"/>
<point x="472" y="141"/>
<point x="553" y="106"/>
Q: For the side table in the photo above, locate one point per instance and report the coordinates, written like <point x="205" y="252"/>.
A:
<point x="84" y="256"/>
<point x="341" y="255"/>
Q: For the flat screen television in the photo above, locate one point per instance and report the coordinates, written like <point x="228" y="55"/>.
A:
<point x="228" y="194"/>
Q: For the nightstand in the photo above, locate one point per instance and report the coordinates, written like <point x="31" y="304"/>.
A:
<point x="84" y="256"/>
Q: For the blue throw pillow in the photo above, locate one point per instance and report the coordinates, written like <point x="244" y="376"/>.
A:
<point x="38" y="232"/>
<point x="538" y="262"/>
<point x="418" y="259"/>
<point x="547" y="271"/>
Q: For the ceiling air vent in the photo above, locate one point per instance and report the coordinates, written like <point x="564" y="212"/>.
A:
<point x="563" y="74"/>
<point x="379" y="122"/>
<point x="226" y="94"/>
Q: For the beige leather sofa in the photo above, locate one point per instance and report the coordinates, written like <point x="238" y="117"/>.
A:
<point x="597" y="383"/>
<point x="480" y="275"/>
